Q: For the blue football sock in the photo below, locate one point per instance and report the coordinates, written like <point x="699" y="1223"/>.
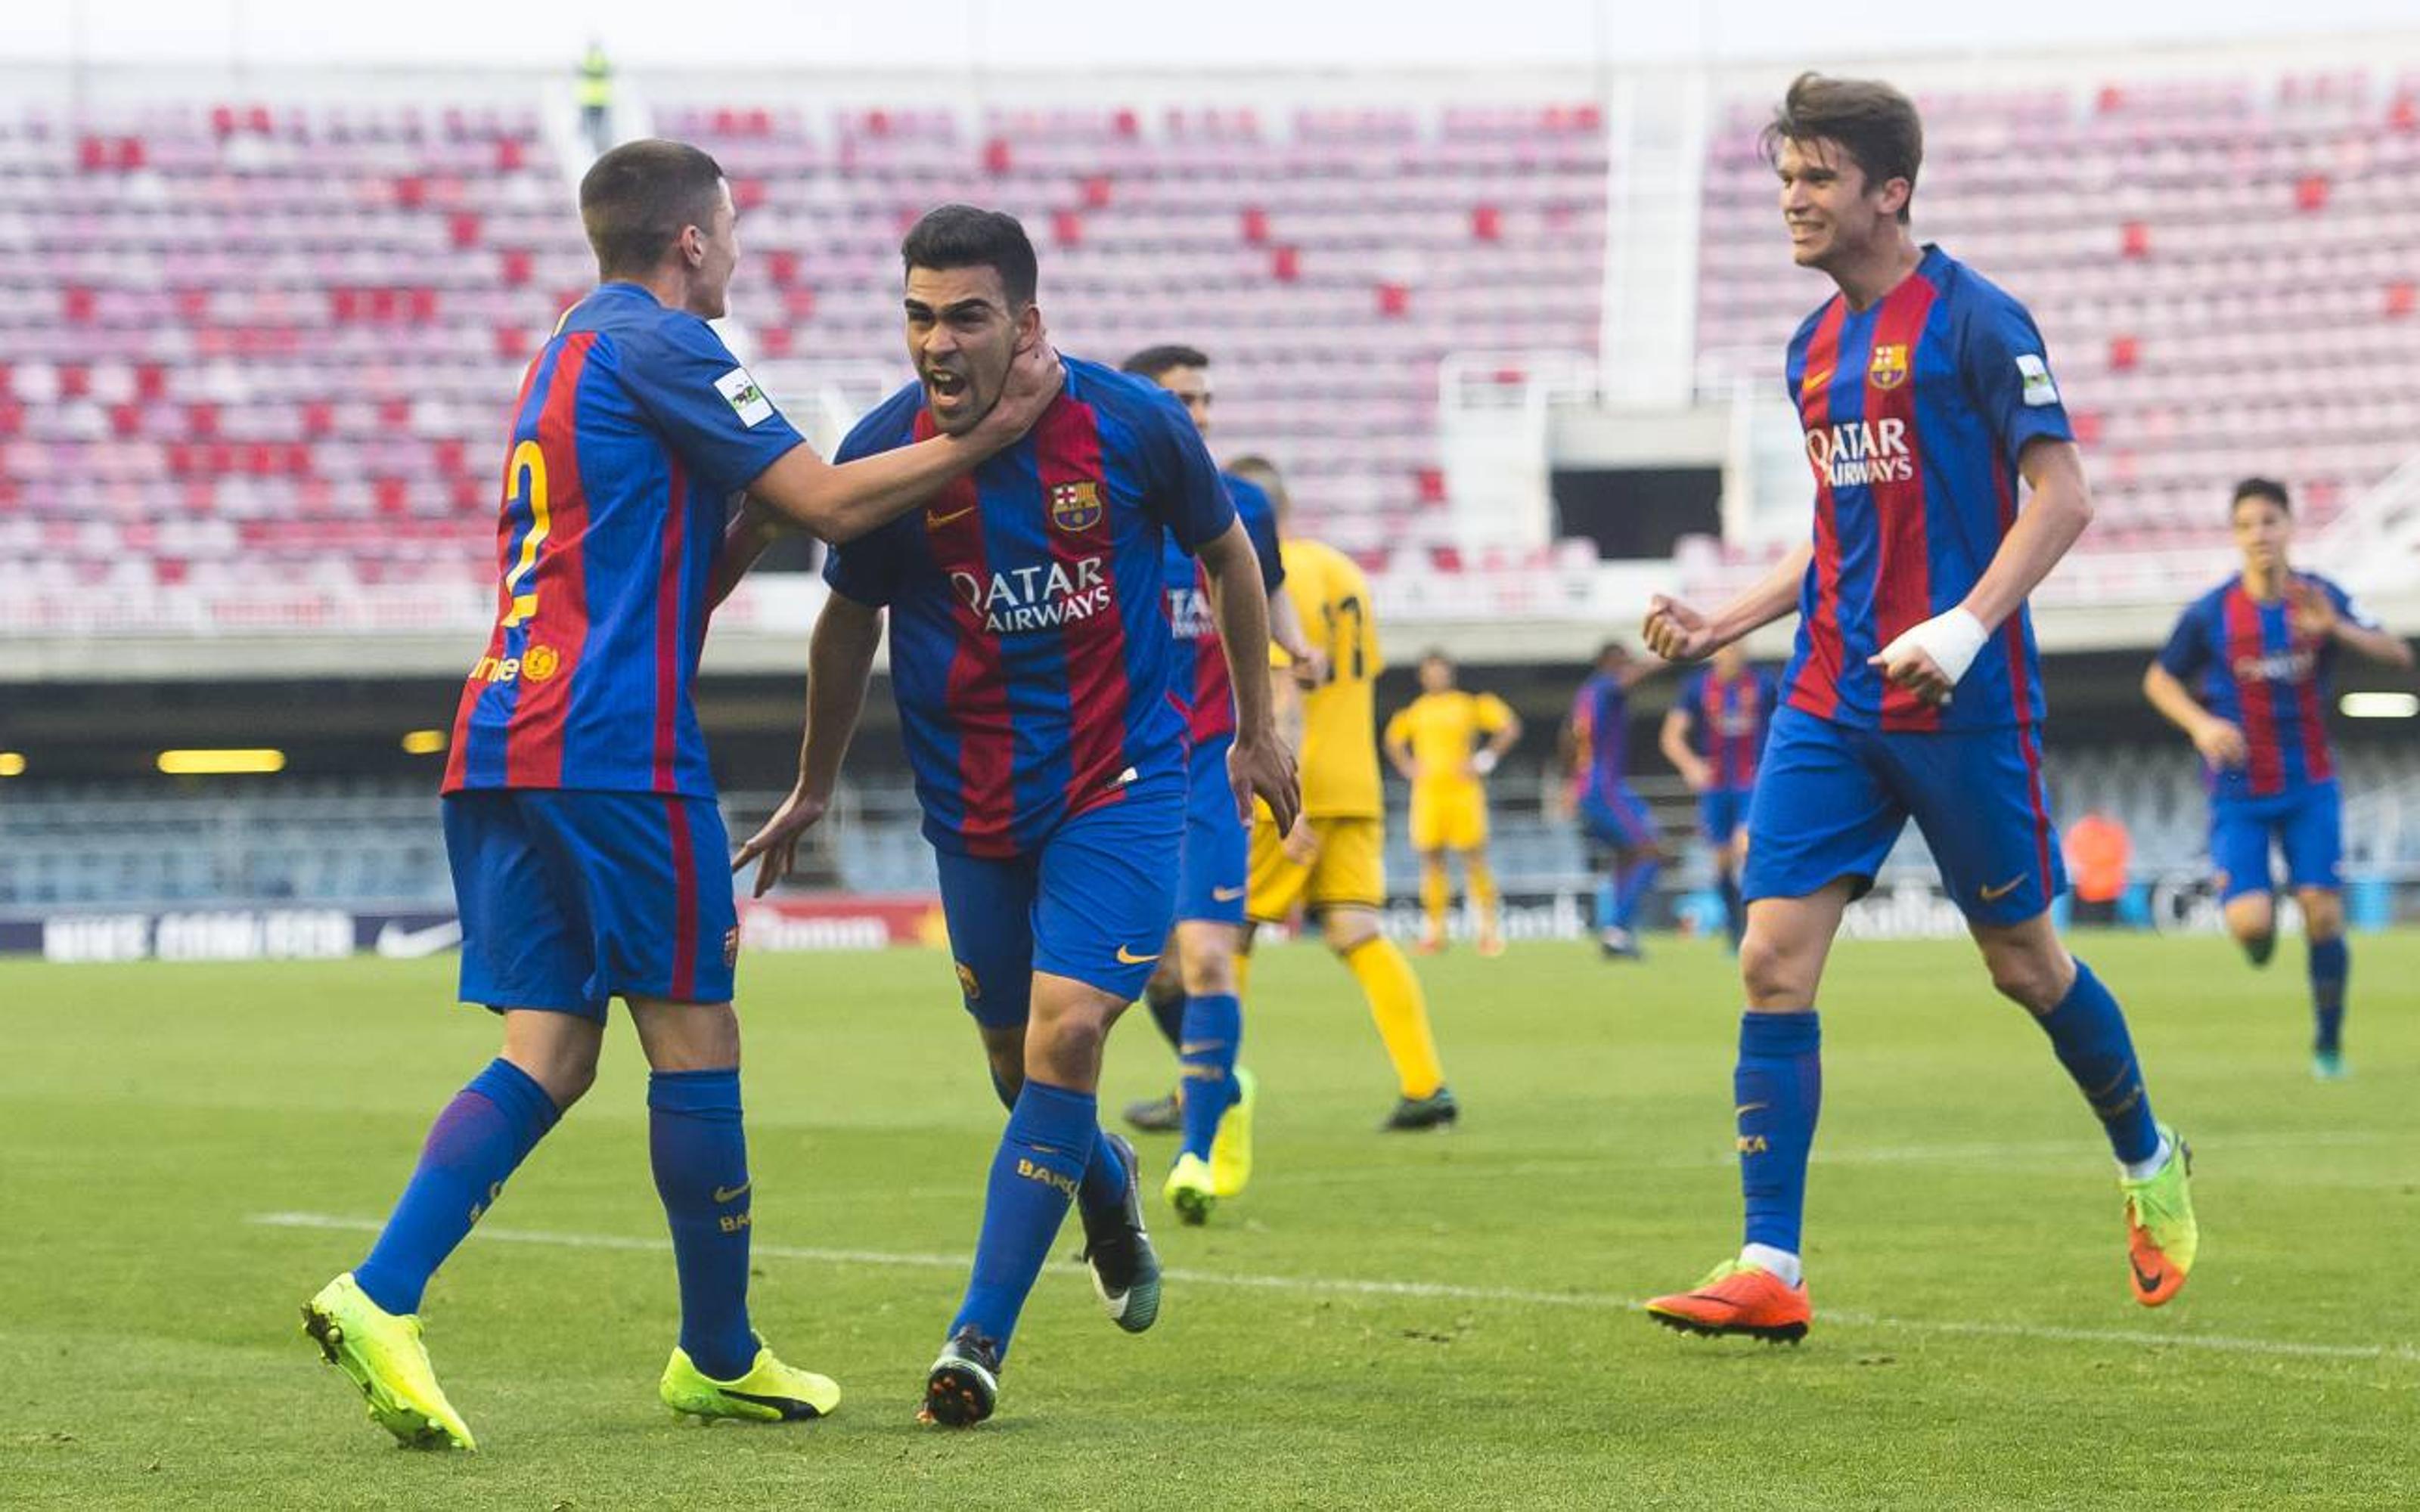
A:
<point x="1734" y="909"/>
<point x="1609" y="892"/>
<point x="1167" y="1006"/>
<point x="1778" y="1090"/>
<point x="1214" y="1030"/>
<point x="1049" y="1137"/>
<point x="1635" y="880"/>
<point x="2088" y="1031"/>
<point x="700" y="1151"/>
<point x="1102" y="1192"/>
<point x="476" y="1144"/>
<point x="2330" y="968"/>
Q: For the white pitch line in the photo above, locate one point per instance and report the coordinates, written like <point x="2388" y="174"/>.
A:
<point x="1349" y="1285"/>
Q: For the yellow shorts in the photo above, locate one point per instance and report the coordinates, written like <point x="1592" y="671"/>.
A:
<point x="1349" y="867"/>
<point x="1448" y="818"/>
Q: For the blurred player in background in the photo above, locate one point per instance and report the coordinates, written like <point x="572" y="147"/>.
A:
<point x="580" y="818"/>
<point x="1331" y="862"/>
<point x="1445" y="743"/>
<point x="2246" y="675"/>
<point x="1925" y="394"/>
<point x="1620" y="831"/>
<point x="1196" y="993"/>
<point x="1713" y="736"/>
<point x="1038" y="689"/>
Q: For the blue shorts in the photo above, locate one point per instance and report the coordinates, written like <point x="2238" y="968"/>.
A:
<point x="1721" y="812"/>
<point x="2306" y="823"/>
<point x="1217" y="845"/>
<point x="572" y="899"/>
<point x="1093" y="903"/>
<point x="1831" y="800"/>
<point x="1616" y="818"/>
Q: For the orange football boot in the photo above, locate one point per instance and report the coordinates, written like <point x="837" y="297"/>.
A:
<point x="1738" y="1299"/>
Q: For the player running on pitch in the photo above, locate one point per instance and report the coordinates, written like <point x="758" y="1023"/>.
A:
<point x="1925" y="394"/>
<point x="1713" y="735"/>
<point x="1620" y="830"/>
<point x="2245" y="674"/>
<point x="1445" y="743"/>
<point x="579" y="811"/>
<point x="1036" y="679"/>
<point x="1196" y="993"/>
<point x="1331" y="863"/>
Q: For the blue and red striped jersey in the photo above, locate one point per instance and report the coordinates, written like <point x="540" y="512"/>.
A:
<point x="1030" y="654"/>
<point x="1727" y="719"/>
<point x="2250" y="664"/>
<point x="634" y="428"/>
<point x="1600" y="721"/>
<point x="1915" y="410"/>
<point x="1205" y="685"/>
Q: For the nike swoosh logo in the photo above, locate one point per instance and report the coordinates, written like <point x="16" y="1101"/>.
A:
<point x="731" y="1194"/>
<point x="2145" y="1283"/>
<point x="933" y="521"/>
<point x="1199" y="1047"/>
<point x="1127" y="958"/>
<point x="1226" y="895"/>
<point x="396" y="942"/>
<point x="789" y="1407"/>
<point x="1993" y="895"/>
<point x="1745" y="1108"/>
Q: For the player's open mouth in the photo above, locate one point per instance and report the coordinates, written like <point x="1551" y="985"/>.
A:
<point x="941" y="385"/>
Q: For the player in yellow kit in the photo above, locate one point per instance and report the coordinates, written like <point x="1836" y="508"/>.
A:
<point x="1435" y="742"/>
<point x="1332" y="864"/>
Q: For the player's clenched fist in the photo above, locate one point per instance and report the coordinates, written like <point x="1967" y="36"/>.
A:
<point x="1676" y="632"/>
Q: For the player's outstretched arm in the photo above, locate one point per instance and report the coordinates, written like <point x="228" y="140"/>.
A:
<point x="839" y="663"/>
<point x="751" y="533"/>
<point x="2316" y="614"/>
<point x="1260" y="762"/>
<point x="841" y="504"/>
<point x="2219" y="741"/>
<point x="1676" y="632"/>
<point x="1929" y="658"/>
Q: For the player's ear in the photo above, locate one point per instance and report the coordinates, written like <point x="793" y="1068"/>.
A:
<point x="1029" y="325"/>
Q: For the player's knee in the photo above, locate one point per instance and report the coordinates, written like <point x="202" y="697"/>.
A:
<point x="1775" y="972"/>
<point x="2251" y="919"/>
<point x="2034" y="980"/>
<point x="2322" y="912"/>
<point x="1167" y="984"/>
<point x="1211" y="972"/>
<point x="1347" y="930"/>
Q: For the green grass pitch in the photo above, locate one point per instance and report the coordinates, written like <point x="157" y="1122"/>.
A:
<point x="1396" y="1321"/>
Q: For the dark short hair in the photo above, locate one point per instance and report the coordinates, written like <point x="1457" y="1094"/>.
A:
<point x="1153" y="360"/>
<point x="636" y="200"/>
<point x="1437" y="653"/>
<point x="2269" y="489"/>
<point x="1254" y="468"/>
<point x="1871" y="122"/>
<point x="963" y="236"/>
<point x="1613" y="650"/>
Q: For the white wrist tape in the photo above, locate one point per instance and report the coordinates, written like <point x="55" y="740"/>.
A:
<point x="1483" y="762"/>
<point x="1951" y="639"/>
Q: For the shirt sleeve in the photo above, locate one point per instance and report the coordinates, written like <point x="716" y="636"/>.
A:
<point x="1398" y="728"/>
<point x="867" y="568"/>
<point x="2347" y="606"/>
<point x="1260" y="520"/>
<point x="1185" y="491"/>
<point x="1494" y="714"/>
<point x="2188" y="649"/>
<point x="707" y="406"/>
<point x="2006" y="366"/>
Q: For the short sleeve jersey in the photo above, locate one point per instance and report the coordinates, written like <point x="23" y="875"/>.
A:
<point x="1727" y="720"/>
<point x="1444" y="729"/>
<point x="1030" y="652"/>
<point x="1915" y="410"/>
<point x="2250" y="663"/>
<point x="1338" y="760"/>
<point x="1204" y="682"/>
<point x="634" y="428"/>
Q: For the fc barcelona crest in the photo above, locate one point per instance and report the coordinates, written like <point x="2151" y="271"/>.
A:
<point x="1076" y="508"/>
<point x="1890" y="370"/>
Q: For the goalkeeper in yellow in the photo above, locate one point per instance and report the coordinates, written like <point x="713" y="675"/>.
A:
<point x="1332" y="865"/>
<point x="1445" y="743"/>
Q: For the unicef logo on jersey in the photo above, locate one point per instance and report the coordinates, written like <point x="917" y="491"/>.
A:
<point x="1859" y="451"/>
<point x="1038" y="597"/>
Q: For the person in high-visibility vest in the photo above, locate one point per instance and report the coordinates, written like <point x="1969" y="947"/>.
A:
<point x="596" y="98"/>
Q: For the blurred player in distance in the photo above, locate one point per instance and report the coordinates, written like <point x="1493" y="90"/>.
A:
<point x="1035" y="673"/>
<point x="2246" y="676"/>
<point x="1196" y="993"/>
<point x="1925" y="394"/>
<point x="2097" y="851"/>
<point x="1330" y="864"/>
<point x="1620" y="830"/>
<point x="1445" y="743"/>
<point x="579" y="811"/>
<point x="1713" y="736"/>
